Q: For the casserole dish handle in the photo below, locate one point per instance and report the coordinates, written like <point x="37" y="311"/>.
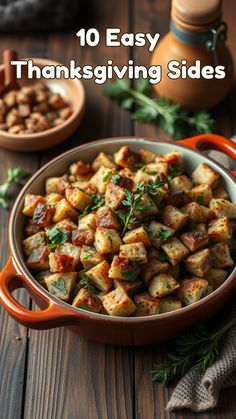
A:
<point x="51" y="315"/>
<point x="213" y="142"/>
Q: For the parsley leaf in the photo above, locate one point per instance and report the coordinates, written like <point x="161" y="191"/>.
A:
<point x="200" y="199"/>
<point x="98" y="202"/>
<point x="14" y="175"/>
<point x="164" y="234"/>
<point x="85" y="212"/>
<point x="115" y="179"/>
<point x="106" y="177"/>
<point x="131" y="275"/>
<point x="141" y="166"/>
<point x="91" y="227"/>
<point x="162" y="256"/>
<point x="57" y="237"/>
<point x="60" y="285"/>
<point x="111" y="243"/>
<point x="174" y="171"/>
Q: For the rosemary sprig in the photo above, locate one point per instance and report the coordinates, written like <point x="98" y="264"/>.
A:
<point x="174" y="120"/>
<point x="14" y="175"/>
<point x="196" y="350"/>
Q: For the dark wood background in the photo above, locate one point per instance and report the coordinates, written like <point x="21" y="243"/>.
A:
<point x="56" y="374"/>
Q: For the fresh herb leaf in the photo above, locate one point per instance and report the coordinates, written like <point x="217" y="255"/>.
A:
<point x="106" y="177"/>
<point x="173" y="171"/>
<point x="115" y="179"/>
<point x="174" y="120"/>
<point x="85" y="281"/>
<point x="111" y="243"/>
<point x="60" y="285"/>
<point x="91" y="227"/>
<point x="13" y="176"/>
<point x="151" y="172"/>
<point x="87" y="255"/>
<point x="57" y="236"/>
<point x="98" y="202"/>
<point x="196" y="350"/>
<point x="141" y="166"/>
<point x="85" y="212"/>
<point x="131" y="275"/>
<point x="164" y="233"/>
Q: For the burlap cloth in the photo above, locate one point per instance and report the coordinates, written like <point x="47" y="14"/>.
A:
<point x="200" y="392"/>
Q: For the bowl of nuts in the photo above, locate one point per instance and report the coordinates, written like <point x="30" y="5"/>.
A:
<point x="40" y="113"/>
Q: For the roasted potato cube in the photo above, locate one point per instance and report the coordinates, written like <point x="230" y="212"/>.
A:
<point x="83" y="236"/>
<point x="33" y="242"/>
<point x="194" y="240"/>
<point x="70" y="250"/>
<point x="158" y="233"/>
<point x="197" y="213"/>
<point x="173" y="158"/>
<point x="153" y="267"/>
<point x="128" y="286"/>
<point x="52" y="198"/>
<point x="63" y="183"/>
<point x="159" y="166"/>
<point x="146" y="156"/>
<point x="31" y="202"/>
<point x="135" y="252"/>
<point x="114" y="196"/>
<point x="80" y="168"/>
<point x="216" y="277"/>
<point x="88" y="221"/>
<point x="162" y="284"/>
<point x="141" y="176"/>
<point x="77" y="198"/>
<point x="175" y="271"/>
<point x="60" y="285"/>
<point x="122" y="268"/>
<point x="148" y="207"/>
<point x="126" y="157"/>
<point x="181" y="183"/>
<point x="222" y="208"/>
<point x="137" y="235"/>
<point x="169" y="303"/>
<point x="173" y="217"/>
<point x="202" y="194"/>
<point x="51" y="184"/>
<point x="107" y="240"/>
<point x="90" y="257"/>
<point x="98" y="275"/>
<point x="64" y="210"/>
<point x="65" y="224"/>
<point x="199" y="263"/>
<point x="103" y="159"/>
<point x="204" y="174"/>
<point x="88" y="301"/>
<point x="43" y="215"/>
<point x="175" y="250"/>
<point x="38" y="259"/>
<point x="220" y="193"/>
<point x="220" y="254"/>
<point x="219" y="229"/>
<point x="31" y="229"/>
<point x="101" y="178"/>
<point x="106" y="218"/>
<point x="60" y="262"/>
<point x="177" y="199"/>
<point x="191" y="290"/>
<point x="147" y="305"/>
<point x="118" y="303"/>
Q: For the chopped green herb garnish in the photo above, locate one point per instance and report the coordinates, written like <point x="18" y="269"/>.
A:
<point x="37" y="239"/>
<point x="60" y="285"/>
<point x="87" y="255"/>
<point x="57" y="237"/>
<point x="200" y="199"/>
<point x="84" y="307"/>
<point x="85" y="212"/>
<point x="162" y="256"/>
<point x="92" y="228"/>
<point x="13" y="176"/>
<point x="168" y="286"/>
<point x="131" y="275"/>
<point x="151" y="172"/>
<point x="164" y="233"/>
<point x="174" y="170"/>
<point x="111" y="243"/>
<point x="141" y="166"/>
<point x="106" y="177"/>
<point x="98" y="202"/>
<point x="115" y="179"/>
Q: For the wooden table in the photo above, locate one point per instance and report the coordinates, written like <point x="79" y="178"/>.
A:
<point x="56" y="374"/>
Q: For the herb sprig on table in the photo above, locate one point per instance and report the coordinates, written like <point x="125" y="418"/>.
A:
<point x="195" y="350"/>
<point x="173" y="120"/>
<point x="14" y="175"/>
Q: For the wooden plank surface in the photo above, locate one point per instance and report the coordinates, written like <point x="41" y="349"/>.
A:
<point x="56" y="374"/>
